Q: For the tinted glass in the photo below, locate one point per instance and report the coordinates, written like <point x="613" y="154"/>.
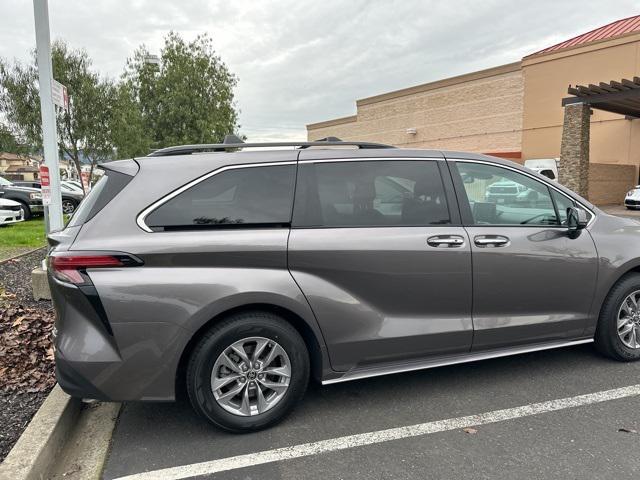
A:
<point x="375" y="193"/>
<point x="255" y="195"/>
<point x="562" y="203"/>
<point x="499" y="196"/>
<point x="105" y="190"/>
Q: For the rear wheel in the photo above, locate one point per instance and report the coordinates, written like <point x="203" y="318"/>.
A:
<point x="248" y="372"/>
<point x="618" y="331"/>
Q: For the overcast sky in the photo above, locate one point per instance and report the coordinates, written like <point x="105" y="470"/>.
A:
<point x="301" y="62"/>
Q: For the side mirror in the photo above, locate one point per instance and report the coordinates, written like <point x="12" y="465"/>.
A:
<point x="577" y="219"/>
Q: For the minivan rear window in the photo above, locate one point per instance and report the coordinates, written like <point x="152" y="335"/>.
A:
<point x="250" y="196"/>
<point x="100" y="195"/>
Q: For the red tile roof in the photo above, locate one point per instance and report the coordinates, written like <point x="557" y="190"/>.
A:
<point x="613" y="29"/>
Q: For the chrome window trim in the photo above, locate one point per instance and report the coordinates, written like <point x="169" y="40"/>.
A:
<point x="140" y="219"/>
<point x="533" y="177"/>
<point x="369" y="159"/>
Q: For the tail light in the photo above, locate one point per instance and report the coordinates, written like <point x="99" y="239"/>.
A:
<point x="71" y="267"/>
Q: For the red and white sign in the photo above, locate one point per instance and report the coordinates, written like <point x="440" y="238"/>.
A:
<point x="45" y="183"/>
<point x="60" y="95"/>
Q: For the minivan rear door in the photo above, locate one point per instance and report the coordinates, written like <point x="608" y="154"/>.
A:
<point x="377" y="248"/>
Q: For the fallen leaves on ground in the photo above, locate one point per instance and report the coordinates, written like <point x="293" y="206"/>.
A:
<point x="26" y="351"/>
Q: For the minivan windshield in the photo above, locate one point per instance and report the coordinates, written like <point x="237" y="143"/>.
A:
<point x="5" y="183"/>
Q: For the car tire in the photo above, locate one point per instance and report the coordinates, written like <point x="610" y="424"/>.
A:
<point x="204" y="364"/>
<point x="608" y="340"/>
<point x="69" y="206"/>
<point x="26" y="211"/>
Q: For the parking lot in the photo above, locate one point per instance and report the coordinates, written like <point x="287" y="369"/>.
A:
<point x="577" y="438"/>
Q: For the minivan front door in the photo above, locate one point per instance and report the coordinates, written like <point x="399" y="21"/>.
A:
<point x="532" y="282"/>
<point x="378" y="251"/>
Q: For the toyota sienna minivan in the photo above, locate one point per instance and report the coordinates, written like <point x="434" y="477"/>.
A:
<point x="237" y="273"/>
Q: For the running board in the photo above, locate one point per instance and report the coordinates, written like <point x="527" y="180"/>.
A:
<point x="360" y="373"/>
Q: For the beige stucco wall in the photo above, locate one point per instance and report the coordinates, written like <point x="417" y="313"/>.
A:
<point x="546" y="78"/>
<point x="479" y="112"/>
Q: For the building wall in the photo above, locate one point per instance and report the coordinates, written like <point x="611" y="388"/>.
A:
<point x="546" y="78"/>
<point x="608" y="183"/>
<point x="479" y="112"/>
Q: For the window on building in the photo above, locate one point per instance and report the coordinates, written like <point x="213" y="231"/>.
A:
<point x="370" y="193"/>
<point x="237" y="197"/>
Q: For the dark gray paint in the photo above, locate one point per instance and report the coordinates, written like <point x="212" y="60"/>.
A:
<point x="372" y="300"/>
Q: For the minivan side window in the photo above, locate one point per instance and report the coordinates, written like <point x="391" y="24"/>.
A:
<point x="500" y="196"/>
<point x="370" y="194"/>
<point x="237" y="197"/>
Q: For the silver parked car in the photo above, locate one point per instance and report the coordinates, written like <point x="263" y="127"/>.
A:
<point x="238" y="274"/>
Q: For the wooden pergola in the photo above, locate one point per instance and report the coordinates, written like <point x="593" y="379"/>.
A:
<point x="621" y="97"/>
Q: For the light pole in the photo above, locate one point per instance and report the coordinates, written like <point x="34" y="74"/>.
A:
<point x="52" y="211"/>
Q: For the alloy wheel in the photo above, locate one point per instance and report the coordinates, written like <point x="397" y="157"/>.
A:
<point x="68" y="207"/>
<point x="251" y="376"/>
<point x="629" y="320"/>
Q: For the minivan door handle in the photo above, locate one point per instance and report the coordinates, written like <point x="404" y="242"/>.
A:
<point x="446" y="241"/>
<point x="491" y="241"/>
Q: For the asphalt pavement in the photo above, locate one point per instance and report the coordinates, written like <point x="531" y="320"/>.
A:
<point x="593" y="440"/>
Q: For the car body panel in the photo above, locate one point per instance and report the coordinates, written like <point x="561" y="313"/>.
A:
<point x="516" y="294"/>
<point x="383" y="294"/>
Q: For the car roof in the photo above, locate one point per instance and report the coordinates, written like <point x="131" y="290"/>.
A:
<point x="195" y="164"/>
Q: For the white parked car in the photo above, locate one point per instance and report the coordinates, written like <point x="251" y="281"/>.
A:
<point x="632" y="200"/>
<point x="10" y="212"/>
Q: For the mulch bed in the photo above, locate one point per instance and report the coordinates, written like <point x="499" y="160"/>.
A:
<point x="26" y="352"/>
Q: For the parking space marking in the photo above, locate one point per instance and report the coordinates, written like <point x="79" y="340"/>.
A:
<point x="363" y="439"/>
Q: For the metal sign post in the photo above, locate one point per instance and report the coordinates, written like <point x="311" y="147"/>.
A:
<point x="53" y="212"/>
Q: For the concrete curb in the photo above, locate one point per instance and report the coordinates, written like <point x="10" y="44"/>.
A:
<point x="34" y="455"/>
<point x="21" y="254"/>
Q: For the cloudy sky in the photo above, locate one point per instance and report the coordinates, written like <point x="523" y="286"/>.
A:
<point x="301" y="62"/>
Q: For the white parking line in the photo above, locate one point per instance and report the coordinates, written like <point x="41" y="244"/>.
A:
<point x="359" y="440"/>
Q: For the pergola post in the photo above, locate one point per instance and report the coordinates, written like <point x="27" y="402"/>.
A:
<point x="573" y="169"/>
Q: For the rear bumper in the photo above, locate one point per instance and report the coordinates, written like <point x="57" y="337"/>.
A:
<point x="74" y="383"/>
<point x="125" y="361"/>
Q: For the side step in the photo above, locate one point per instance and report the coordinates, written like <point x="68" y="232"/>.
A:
<point x="360" y="373"/>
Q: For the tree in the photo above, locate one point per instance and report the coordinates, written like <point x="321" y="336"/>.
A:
<point x="9" y="143"/>
<point x="186" y="96"/>
<point x="85" y="130"/>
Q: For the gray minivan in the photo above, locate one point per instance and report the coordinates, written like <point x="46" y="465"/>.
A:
<point x="237" y="273"/>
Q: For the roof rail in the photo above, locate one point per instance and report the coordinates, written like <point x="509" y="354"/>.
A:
<point x="233" y="142"/>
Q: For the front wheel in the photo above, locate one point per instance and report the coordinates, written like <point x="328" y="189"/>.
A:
<point x="618" y="331"/>
<point x="248" y="372"/>
<point x="26" y="211"/>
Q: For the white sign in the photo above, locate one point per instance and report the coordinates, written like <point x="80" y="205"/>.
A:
<point x="45" y="185"/>
<point x="60" y="95"/>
